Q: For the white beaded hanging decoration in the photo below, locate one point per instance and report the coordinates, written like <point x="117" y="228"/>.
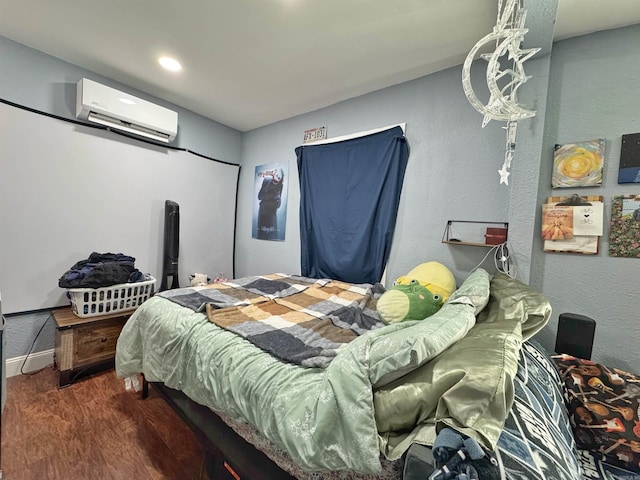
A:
<point x="503" y="81"/>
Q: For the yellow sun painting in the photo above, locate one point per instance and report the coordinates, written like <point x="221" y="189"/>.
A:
<point x="578" y="164"/>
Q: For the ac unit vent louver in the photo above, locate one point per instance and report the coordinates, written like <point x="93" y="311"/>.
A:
<point x="109" y="107"/>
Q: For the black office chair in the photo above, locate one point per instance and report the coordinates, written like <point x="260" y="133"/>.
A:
<point x="575" y="335"/>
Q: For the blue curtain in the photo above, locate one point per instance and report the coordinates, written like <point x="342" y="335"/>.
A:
<point x="349" y="196"/>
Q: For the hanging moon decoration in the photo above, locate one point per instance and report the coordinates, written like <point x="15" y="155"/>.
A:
<point x="503" y="82"/>
<point x="503" y="102"/>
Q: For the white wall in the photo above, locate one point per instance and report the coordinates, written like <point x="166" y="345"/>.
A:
<point x="44" y="83"/>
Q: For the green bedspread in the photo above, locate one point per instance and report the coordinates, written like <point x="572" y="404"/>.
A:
<point x="469" y="387"/>
<point x="324" y="418"/>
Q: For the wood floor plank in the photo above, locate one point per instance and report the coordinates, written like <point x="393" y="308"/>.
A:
<point x="91" y="430"/>
<point x="162" y="421"/>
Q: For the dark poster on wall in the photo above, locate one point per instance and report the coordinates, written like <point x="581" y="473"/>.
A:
<point x="629" y="171"/>
<point x="270" y="202"/>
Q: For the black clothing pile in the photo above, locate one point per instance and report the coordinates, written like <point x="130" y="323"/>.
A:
<point x="452" y="457"/>
<point x="101" y="270"/>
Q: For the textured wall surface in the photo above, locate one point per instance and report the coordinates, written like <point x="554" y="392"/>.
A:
<point x="594" y="93"/>
<point x="451" y="174"/>
<point x="587" y="89"/>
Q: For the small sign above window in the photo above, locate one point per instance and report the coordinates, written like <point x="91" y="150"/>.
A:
<point x="315" y="134"/>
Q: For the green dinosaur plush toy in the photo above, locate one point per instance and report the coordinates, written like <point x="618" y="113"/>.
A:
<point x="417" y="295"/>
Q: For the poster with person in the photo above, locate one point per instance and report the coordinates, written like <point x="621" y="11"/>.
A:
<point x="270" y="202"/>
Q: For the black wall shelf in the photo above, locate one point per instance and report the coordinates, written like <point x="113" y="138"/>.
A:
<point x="475" y="233"/>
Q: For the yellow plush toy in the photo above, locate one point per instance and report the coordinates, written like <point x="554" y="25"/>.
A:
<point x="417" y="295"/>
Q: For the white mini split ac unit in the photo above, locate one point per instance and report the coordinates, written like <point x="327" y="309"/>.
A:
<point x="107" y="106"/>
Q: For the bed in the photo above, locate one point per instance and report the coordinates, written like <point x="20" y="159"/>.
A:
<point x="289" y="377"/>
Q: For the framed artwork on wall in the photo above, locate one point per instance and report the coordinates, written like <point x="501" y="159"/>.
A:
<point x="572" y="224"/>
<point x="578" y="164"/>
<point x="624" y="234"/>
<point x="629" y="170"/>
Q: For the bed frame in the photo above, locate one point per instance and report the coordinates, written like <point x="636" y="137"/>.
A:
<point x="228" y="455"/>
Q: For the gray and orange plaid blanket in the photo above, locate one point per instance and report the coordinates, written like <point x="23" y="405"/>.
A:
<point x="300" y="320"/>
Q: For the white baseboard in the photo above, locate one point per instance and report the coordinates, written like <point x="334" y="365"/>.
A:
<point x="36" y="361"/>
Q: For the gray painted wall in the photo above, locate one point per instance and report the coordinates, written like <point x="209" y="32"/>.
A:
<point x="451" y="174"/>
<point x="586" y="89"/>
<point x="594" y="92"/>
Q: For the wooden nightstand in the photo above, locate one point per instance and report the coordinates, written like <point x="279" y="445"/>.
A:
<point x="85" y="345"/>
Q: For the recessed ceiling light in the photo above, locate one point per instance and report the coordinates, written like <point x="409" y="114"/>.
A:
<point x="170" y="64"/>
<point x="127" y="101"/>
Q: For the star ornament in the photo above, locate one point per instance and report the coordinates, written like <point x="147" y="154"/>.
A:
<point x="504" y="175"/>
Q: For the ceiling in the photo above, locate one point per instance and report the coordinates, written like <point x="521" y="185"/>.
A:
<point x="249" y="63"/>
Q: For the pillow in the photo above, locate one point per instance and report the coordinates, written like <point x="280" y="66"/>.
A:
<point x="536" y="442"/>
<point x="603" y="405"/>
<point x="593" y="468"/>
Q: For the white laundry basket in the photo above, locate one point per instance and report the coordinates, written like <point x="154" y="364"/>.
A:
<point x="90" y="302"/>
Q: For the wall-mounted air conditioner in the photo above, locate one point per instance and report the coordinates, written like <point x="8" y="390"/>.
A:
<point x="107" y="106"/>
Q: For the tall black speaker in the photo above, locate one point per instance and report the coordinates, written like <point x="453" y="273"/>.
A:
<point x="171" y="245"/>
<point x="575" y="335"/>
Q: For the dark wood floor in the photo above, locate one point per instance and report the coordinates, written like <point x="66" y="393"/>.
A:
<point x="92" y="430"/>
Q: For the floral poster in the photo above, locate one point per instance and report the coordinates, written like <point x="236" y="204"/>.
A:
<point x="578" y="164"/>
<point x="624" y="234"/>
<point x="270" y="202"/>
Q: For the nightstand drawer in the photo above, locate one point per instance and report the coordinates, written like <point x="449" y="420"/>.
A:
<point x="95" y="343"/>
<point x="85" y="345"/>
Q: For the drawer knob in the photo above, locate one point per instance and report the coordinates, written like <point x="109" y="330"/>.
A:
<point x="103" y="339"/>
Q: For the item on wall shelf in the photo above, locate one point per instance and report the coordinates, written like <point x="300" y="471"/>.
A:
<point x="503" y="81"/>
<point x="572" y="224"/>
<point x="624" y="234"/>
<point x="495" y="236"/>
<point x="472" y="233"/>
<point x="629" y="171"/>
<point x="578" y="164"/>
